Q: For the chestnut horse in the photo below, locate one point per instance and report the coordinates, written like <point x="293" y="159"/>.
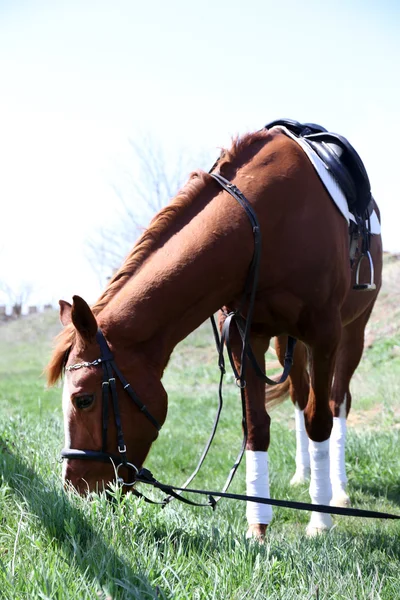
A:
<point x="193" y="259"/>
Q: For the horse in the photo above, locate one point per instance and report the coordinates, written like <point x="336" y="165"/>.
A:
<point x="192" y="260"/>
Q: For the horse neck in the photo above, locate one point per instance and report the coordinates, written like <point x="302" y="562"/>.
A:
<point x="200" y="265"/>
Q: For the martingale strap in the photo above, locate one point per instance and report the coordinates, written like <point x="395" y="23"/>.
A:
<point x="240" y="324"/>
<point x="250" y="289"/>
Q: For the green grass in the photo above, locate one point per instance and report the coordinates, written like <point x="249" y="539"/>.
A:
<point x="59" y="546"/>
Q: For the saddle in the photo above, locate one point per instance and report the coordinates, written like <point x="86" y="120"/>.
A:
<point x="341" y="160"/>
<point x="347" y="168"/>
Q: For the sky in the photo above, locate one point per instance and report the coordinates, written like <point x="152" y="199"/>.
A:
<point x="80" y="79"/>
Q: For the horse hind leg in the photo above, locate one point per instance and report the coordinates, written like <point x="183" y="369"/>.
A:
<point x="319" y="420"/>
<point x="299" y="387"/>
<point x="348" y="358"/>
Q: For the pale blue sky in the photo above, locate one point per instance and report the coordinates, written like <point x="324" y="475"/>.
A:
<point x="79" y="78"/>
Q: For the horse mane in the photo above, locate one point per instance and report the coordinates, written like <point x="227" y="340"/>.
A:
<point x="149" y="238"/>
<point x="160" y="223"/>
<point x="242" y="151"/>
<point x="140" y="252"/>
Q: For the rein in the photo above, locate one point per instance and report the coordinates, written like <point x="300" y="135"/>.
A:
<point x="145" y="476"/>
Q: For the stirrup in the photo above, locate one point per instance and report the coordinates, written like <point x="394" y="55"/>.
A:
<point x="365" y="287"/>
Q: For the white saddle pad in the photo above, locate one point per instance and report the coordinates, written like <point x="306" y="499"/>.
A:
<point x="330" y="182"/>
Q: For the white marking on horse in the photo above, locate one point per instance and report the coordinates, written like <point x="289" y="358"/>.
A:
<point x="302" y="455"/>
<point x="320" y="486"/>
<point x="337" y="458"/>
<point x="257" y="484"/>
<point x="66" y="407"/>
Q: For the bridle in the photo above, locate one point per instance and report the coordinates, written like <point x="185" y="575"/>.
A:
<point x="109" y="390"/>
<point x="111" y="371"/>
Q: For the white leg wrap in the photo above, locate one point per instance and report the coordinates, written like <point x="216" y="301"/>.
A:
<point x="257" y="484"/>
<point x="302" y="455"/>
<point x="338" y="466"/>
<point x="320" y="486"/>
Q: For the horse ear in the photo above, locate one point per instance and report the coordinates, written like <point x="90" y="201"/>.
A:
<point x="83" y="318"/>
<point x="65" y="312"/>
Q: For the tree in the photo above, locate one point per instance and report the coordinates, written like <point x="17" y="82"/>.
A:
<point x="155" y="182"/>
<point x="16" y="296"/>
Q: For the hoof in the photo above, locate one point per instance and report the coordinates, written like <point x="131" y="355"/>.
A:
<point x="256" y="532"/>
<point x="300" y="477"/>
<point x="319" y="523"/>
<point x="314" y="531"/>
<point x="340" y="499"/>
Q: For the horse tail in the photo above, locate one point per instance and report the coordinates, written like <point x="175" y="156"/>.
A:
<point x="276" y="394"/>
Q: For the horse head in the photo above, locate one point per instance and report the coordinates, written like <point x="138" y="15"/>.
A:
<point x="109" y="424"/>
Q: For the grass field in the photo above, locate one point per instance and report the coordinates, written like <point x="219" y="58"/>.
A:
<point x="56" y="545"/>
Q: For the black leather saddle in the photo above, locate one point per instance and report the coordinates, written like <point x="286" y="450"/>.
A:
<point x="340" y="159"/>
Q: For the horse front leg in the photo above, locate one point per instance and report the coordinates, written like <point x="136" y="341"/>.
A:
<point x="318" y="421"/>
<point x="258" y="515"/>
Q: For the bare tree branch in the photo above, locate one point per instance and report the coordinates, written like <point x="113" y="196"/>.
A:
<point x="16" y="296"/>
<point x="156" y="183"/>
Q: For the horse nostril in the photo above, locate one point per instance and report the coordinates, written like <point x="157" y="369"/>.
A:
<point x="74" y="477"/>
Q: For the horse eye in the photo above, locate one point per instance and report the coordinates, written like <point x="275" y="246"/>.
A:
<point x="84" y="401"/>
